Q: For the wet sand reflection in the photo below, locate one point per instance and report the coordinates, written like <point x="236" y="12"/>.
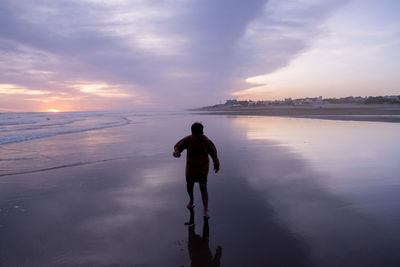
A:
<point x="268" y="207"/>
<point x="198" y="246"/>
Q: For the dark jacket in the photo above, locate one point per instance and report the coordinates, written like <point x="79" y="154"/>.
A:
<point x="198" y="149"/>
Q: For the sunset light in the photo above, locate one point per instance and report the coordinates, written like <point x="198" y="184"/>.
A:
<point x="137" y="58"/>
<point x="200" y="133"/>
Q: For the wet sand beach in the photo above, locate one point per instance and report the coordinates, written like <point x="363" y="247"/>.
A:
<point x="290" y="192"/>
<point x="348" y="112"/>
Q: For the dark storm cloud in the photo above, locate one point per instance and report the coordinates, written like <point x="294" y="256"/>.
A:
<point x="202" y="49"/>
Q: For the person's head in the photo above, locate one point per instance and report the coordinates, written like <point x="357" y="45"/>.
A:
<point x="197" y="129"/>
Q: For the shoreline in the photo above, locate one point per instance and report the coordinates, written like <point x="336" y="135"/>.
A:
<point x="298" y="184"/>
<point x="376" y="113"/>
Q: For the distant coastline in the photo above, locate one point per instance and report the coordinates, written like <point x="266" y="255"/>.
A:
<point x="319" y="109"/>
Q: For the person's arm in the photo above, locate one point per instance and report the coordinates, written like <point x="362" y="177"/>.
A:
<point x="212" y="151"/>
<point x="179" y="147"/>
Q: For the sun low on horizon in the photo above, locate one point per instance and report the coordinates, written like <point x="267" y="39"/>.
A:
<point x="54" y="110"/>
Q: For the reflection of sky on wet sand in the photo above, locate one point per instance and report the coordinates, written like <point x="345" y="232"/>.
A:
<point x="275" y="202"/>
<point x="355" y="159"/>
<point x="346" y="190"/>
<point x="331" y="145"/>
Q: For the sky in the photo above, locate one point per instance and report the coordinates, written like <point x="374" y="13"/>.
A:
<point x="80" y="55"/>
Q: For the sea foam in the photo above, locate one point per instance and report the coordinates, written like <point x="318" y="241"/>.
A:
<point x="19" y="127"/>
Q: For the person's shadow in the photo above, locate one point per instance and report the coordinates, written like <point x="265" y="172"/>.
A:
<point x="198" y="246"/>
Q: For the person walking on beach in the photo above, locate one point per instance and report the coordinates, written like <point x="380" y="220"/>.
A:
<point x="198" y="148"/>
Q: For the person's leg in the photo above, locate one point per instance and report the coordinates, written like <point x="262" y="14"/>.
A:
<point x="189" y="187"/>
<point x="204" y="197"/>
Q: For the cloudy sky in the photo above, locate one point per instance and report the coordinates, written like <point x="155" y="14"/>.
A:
<point x="143" y="54"/>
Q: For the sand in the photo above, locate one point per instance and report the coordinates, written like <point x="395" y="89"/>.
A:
<point x="352" y="112"/>
<point x="116" y="197"/>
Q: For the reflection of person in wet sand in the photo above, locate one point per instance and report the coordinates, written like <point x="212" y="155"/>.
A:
<point x="199" y="250"/>
<point x="198" y="148"/>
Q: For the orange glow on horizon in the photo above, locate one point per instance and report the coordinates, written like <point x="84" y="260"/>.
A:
<point x="53" y="110"/>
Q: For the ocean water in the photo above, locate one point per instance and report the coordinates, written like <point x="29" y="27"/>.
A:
<point x="102" y="189"/>
<point x="19" y="127"/>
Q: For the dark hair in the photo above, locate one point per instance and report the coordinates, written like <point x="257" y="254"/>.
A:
<point x="197" y="128"/>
